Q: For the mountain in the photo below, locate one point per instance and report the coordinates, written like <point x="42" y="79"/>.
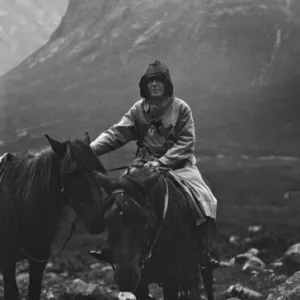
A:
<point x="25" y="26"/>
<point x="235" y="62"/>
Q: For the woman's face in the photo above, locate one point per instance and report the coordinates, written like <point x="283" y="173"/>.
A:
<point x="156" y="88"/>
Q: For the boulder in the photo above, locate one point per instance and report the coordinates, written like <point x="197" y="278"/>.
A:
<point x="236" y="240"/>
<point x="238" y="290"/>
<point x="289" y="290"/>
<point x="255" y="230"/>
<point x="228" y="263"/>
<point x="126" y="296"/>
<point x="80" y="287"/>
<point x="291" y="258"/>
<point x="254" y="264"/>
<point x="243" y="257"/>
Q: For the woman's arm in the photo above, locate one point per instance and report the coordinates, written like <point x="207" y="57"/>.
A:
<point x="185" y="143"/>
<point x="118" y="135"/>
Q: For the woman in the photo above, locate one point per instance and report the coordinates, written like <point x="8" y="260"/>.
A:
<point x="164" y="129"/>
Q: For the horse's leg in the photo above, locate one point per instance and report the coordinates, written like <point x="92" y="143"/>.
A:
<point x="11" y="291"/>
<point x="207" y="276"/>
<point x="36" y="270"/>
<point x="170" y="291"/>
<point x="142" y="291"/>
<point x="194" y="284"/>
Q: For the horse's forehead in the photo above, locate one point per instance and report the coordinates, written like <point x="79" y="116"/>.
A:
<point x="82" y="154"/>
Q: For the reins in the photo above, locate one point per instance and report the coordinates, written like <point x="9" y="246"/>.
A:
<point x="117" y="169"/>
<point x="166" y="206"/>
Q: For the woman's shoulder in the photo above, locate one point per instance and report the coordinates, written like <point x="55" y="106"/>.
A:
<point x="178" y="102"/>
<point x="138" y="104"/>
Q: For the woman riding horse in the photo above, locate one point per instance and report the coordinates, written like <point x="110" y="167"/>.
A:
<point x="163" y="126"/>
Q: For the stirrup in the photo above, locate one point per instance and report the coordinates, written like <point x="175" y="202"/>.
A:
<point x="209" y="259"/>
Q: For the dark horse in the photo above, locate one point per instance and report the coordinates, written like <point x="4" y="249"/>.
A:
<point x="152" y="238"/>
<point x="34" y="191"/>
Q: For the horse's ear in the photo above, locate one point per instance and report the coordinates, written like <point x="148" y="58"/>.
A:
<point x="56" y="146"/>
<point x="87" y="138"/>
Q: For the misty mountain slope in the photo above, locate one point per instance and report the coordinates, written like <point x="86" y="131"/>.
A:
<point x="226" y="59"/>
<point x="25" y="25"/>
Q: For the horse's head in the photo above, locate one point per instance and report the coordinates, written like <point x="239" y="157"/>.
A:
<point x="75" y="163"/>
<point x="130" y="225"/>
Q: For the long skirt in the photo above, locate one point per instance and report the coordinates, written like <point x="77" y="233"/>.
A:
<point x="204" y="203"/>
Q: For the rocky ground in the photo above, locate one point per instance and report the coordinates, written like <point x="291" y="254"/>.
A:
<point x="257" y="239"/>
<point x="250" y="274"/>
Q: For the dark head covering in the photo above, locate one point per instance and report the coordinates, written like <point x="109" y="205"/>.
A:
<point x="160" y="71"/>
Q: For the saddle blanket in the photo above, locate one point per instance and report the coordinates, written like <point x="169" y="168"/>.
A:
<point x="203" y="200"/>
<point x="188" y="179"/>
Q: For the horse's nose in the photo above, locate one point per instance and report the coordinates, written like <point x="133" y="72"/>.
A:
<point x="127" y="280"/>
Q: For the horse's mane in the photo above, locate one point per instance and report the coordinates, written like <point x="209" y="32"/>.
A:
<point x="28" y="175"/>
<point x="29" y="192"/>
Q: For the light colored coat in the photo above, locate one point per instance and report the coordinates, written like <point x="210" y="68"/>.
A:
<point x="172" y="142"/>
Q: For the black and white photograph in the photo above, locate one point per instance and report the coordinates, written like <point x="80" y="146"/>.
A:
<point x="149" y="149"/>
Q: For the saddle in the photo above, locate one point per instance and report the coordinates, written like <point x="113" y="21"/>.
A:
<point x="142" y="180"/>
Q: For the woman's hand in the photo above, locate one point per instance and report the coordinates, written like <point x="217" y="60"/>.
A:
<point x="153" y="164"/>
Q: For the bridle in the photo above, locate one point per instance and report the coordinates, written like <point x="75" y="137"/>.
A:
<point x="148" y="254"/>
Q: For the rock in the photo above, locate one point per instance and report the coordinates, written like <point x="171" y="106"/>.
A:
<point x="50" y="296"/>
<point x="253" y="251"/>
<point x="262" y="241"/>
<point x="126" y="296"/>
<point x="51" y="268"/>
<point x="291" y="258"/>
<point x="235" y="240"/>
<point x="255" y="229"/>
<point x="80" y="287"/>
<point x="22" y="277"/>
<point x="228" y="263"/>
<point x="289" y="290"/>
<point x="240" y="291"/>
<point x="254" y="264"/>
<point x="276" y="265"/>
<point x="22" y="267"/>
<point x="242" y="258"/>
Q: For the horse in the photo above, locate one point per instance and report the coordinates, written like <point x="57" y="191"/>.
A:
<point x="35" y="190"/>
<point x="152" y="237"/>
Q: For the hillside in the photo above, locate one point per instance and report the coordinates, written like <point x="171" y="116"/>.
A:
<point x="233" y="61"/>
<point x="25" y="26"/>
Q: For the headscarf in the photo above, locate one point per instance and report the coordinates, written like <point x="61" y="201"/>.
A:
<point x="160" y="71"/>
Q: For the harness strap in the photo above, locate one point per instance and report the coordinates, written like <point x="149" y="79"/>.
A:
<point x="166" y="199"/>
<point x="166" y="205"/>
<point x="165" y="210"/>
<point x="117" y="169"/>
<point x="114" y="193"/>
